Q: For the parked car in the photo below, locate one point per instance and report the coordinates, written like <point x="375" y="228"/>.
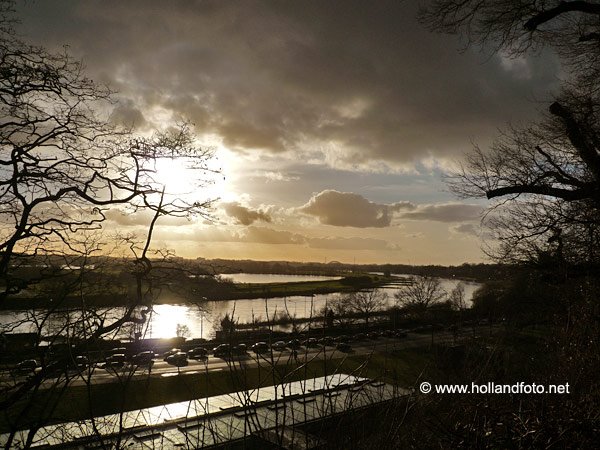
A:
<point x="310" y="342"/>
<point x="117" y="351"/>
<point x="173" y="351"/>
<point x="260" y="347"/>
<point x="116" y="361"/>
<point x="279" y="346"/>
<point x="26" y="367"/>
<point x="143" y="358"/>
<point x="198" y="353"/>
<point x="117" y="357"/>
<point x="344" y="347"/>
<point x="81" y="362"/>
<point x="240" y="349"/>
<point x="360" y="337"/>
<point x="178" y="359"/>
<point x="294" y="344"/>
<point x="341" y="338"/>
<point x="57" y="367"/>
<point x="401" y="334"/>
<point x="222" y="350"/>
<point x="324" y="341"/>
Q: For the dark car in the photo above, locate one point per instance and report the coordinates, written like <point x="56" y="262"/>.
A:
<point x="179" y="359"/>
<point x="240" y="349"/>
<point x="360" y="337"/>
<point x="344" y="347"/>
<point x="116" y="361"/>
<point x="324" y="341"/>
<point x="25" y="367"/>
<point x="294" y="344"/>
<point x="57" y="367"/>
<point x="198" y="353"/>
<point x="118" y="357"/>
<point x="279" y="346"/>
<point x="173" y="351"/>
<point x="143" y="358"/>
<point x="117" y="351"/>
<point x="81" y="362"/>
<point x="222" y="350"/>
<point x="260" y="347"/>
<point x="341" y="338"/>
<point x="400" y="334"/>
<point x="310" y="342"/>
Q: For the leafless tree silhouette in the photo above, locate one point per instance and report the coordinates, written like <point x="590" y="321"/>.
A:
<point x="544" y="178"/>
<point x="62" y="168"/>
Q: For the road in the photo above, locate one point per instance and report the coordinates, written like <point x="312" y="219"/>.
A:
<point x="160" y="368"/>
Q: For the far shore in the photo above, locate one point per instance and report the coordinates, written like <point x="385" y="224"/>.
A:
<point x="226" y="291"/>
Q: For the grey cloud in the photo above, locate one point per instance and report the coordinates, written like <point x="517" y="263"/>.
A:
<point x="244" y="215"/>
<point x="479" y="231"/>
<point x="345" y="209"/>
<point x="352" y="243"/>
<point x="265" y="235"/>
<point x="286" y="75"/>
<point x="247" y="135"/>
<point x="253" y="235"/>
<point x="128" y="115"/>
<point x="141" y="218"/>
<point x="465" y="228"/>
<point x="271" y="175"/>
<point x="449" y="212"/>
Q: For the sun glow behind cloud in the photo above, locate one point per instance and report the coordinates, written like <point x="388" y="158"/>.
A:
<point x="185" y="180"/>
<point x="298" y="101"/>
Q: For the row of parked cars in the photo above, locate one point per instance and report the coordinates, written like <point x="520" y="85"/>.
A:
<point x="55" y="367"/>
<point x="227" y="350"/>
<point x="340" y="342"/>
<point x="117" y="357"/>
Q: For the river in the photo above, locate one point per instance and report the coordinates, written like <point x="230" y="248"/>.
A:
<point x="195" y="321"/>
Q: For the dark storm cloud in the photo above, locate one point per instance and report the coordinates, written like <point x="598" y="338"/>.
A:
<point x="244" y="215"/>
<point x="361" y="78"/>
<point x="345" y="209"/>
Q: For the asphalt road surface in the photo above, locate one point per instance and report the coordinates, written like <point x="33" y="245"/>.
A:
<point x="211" y="364"/>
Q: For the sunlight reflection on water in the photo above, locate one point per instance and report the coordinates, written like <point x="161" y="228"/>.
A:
<point x="194" y="321"/>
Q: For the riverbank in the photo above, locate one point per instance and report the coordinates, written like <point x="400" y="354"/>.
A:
<point x="221" y="291"/>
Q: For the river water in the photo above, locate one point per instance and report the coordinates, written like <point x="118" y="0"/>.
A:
<point x="202" y="321"/>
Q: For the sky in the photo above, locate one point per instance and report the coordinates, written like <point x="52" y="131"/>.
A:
<point x="333" y="122"/>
